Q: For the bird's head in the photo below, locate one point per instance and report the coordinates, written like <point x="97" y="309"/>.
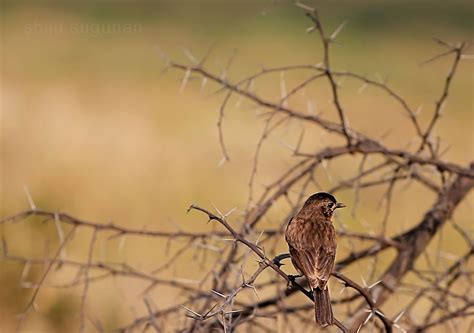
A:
<point x="324" y="203"/>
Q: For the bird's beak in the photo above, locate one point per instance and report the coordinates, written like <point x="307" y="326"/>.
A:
<point x="340" y="205"/>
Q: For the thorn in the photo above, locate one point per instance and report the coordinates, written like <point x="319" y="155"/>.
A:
<point x="232" y="311"/>
<point x="379" y="78"/>
<point x="203" y="85"/>
<point x="257" y="260"/>
<point x="5" y="246"/>
<point x="255" y="290"/>
<point x="230" y="211"/>
<point x="287" y="145"/>
<point x="161" y="53"/>
<point x="60" y="232"/>
<point x="217" y="210"/>
<point x="364" y="283"/>
<point x="242" y="275"/>
<point x="442" y="108"/>
<point x="219" y="294"/>
<point x="342" y="289"/>
<point x="165" y="69"/>
<point x="207" y="247"/>
<point x="209" y="50"/>
<point x="374" y="284"/>
<point x="418" y="110"/>
<point x="319" y="66"/>
<point x="310" y="107"/>
<point x="252" y="86"/>
<point x="190" y="56"/>
<point x="324" y="164"/>
<point x="447" y="255"/>
<point x="400" y="328"/>
<point x="185" y="80"/>
<point x="397" y="318"/>
<point x="209" y="311"/>
<point x="28" y="196"/>
<point x="190" y="208"/>
<point x="338" y="30"/>
<point x="258" y="238"/>
<point x="191" y="311"/>
<point x="222" y="162"/>
<point x="26" y="270"/>
<point x="283" y="91"/>
<point x="379" y="313"/>
<point x="446" y="44"/>
<point x="362" y="88"/>
<point x="438" y="56"/>
<point x="238" y="103"/>
<point x="304" y="7"/>
<point x="368" y="318"/>
<point x="231" y="59"/>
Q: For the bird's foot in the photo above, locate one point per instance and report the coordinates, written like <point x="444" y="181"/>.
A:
<point x="292" y="280"/>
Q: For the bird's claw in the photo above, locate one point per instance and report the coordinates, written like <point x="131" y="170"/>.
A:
<point x="292" y="280"/>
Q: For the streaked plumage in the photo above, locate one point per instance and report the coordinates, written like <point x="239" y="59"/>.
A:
<point x="312" y="242"/>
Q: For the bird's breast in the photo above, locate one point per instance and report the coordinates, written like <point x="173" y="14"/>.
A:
<point x="309" y="233"/>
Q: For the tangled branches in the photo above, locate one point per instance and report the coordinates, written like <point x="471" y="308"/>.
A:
<point x="408" y="291"/>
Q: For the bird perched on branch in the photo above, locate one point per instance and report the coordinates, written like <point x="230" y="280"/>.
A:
<point x="312" y="241"/>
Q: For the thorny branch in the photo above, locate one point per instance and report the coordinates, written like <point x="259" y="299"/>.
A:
<point x="234" y="295"/>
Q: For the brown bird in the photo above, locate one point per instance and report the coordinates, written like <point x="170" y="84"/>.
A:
<point x="312" y="241"/>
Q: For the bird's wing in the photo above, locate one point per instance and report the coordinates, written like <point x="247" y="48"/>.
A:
<point x="317" y="264"/>
<point x="314" y="254"/>
<point x="325" y="265"/>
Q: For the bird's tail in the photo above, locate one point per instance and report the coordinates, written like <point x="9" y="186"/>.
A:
<point x="322" y="307"/>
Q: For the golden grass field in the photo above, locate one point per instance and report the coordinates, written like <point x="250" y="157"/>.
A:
<point x="90" y="126"/>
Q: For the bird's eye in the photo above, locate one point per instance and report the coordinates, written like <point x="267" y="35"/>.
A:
<point x="330" y="205"/>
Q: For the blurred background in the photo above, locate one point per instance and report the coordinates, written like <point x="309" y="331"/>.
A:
<point x="91" y="127"/>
